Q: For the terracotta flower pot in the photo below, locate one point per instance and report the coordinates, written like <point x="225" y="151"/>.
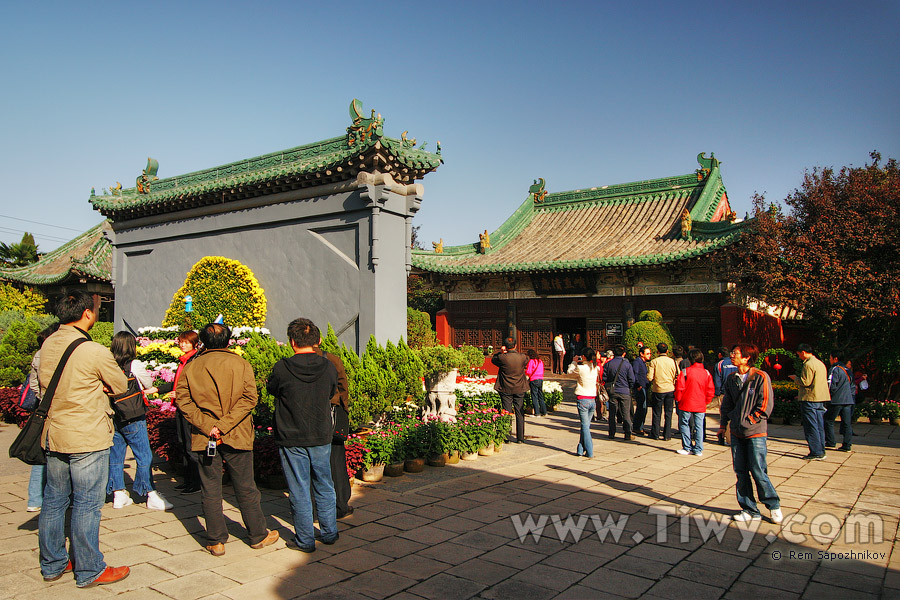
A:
<point x="372" y="474"/>
<point x="487" y="450"/>
<point x="468" y="455"/>
<point x="453" y="458"/>
<point x="498" y="447"/>
<point x="414" y="465"/>
<point x="438" y="460"/>
<point x="394" y="469"/>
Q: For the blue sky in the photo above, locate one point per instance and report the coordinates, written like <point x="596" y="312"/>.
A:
<point x="580" y="93"/>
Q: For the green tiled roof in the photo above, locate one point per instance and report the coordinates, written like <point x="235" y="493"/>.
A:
<point x="328" y="161"/>
<point x="88" y="256"/>
<point x="631" y="224"/>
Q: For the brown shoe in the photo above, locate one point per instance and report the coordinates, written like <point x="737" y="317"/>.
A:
<point x="267" y="541"/>
<point x="110" y="575"/>
<point x="216" y="549"/>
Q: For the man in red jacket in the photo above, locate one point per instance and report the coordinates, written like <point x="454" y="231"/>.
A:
<point x="694" y="389"/>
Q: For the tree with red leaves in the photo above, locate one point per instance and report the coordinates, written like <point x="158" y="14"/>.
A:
<point x="834" y="255"/>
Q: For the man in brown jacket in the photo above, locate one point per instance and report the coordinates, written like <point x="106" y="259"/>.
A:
<point x="511" y="383"/>
<point x="77" y="436"/>
<point x="216" y="392"/>
<point x="661" y="373"/>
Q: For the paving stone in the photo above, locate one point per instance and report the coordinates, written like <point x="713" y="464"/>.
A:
<point x="676" y="589"/>
<point x="266" y="588"/>
<point x="772" y="578"/>
<point x="658" y="553"/>
<point x="416" y="567"/>
<point x="193" y="586"/>
<point x="546" y="576"/>
<point x="517" y="558"/>
<point x="483" y="572"/>
<point x="395" y="547"/>
<point x="428" y="535"/>
<point x="481" y="540"/>
<point x="628" y="586"/>
<point x="447" y="587"/>
<point x="642" y="567"/>
<point x="357" y="560"/>
<point x="518" y="590"/>
<point x="316" y="575"/>
<point x="379" y="584"/>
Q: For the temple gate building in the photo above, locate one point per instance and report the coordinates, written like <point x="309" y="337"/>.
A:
<point x="324" y="227"/>
<point x="589" y="261"/>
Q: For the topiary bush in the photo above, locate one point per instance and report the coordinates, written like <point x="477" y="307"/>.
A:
<point x="27" y="301"/>
<point x="650" y="330"/>
<point x="102" y="333"/>
<point x="16" y="351"/>
<point x="262" y="352"/>
<point x="419" y="333"/>
<point x="218" y="285"/>
<point x="8" y="317"/>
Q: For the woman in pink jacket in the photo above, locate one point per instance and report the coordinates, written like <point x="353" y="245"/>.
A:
<point x="535" y="373"/>
<point x="694" y="389"/>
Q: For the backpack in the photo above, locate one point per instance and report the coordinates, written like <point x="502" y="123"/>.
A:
<point x="129" y="406"/>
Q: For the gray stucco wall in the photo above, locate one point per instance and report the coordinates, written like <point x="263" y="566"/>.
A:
<point x="312" y="254"/>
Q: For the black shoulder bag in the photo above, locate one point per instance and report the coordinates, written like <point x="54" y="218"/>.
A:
<point x="27" y="445"/>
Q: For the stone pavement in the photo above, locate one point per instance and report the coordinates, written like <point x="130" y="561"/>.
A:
<point x="451" y="532"/>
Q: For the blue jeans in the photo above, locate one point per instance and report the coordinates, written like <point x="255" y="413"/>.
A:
<point x="36" y="485"/>
<point x="586" y="408"/>
<point x="304" y="466"/>
<point x="846" y="413"/>
<point x="813" y="416"/>
<point x="83" y="476"/>
<point x="691" y="423"/>
<point x="537" y="397"/>
<point x="749" y="458"/>
<point x="133" y="434"/>
<point x="640" y="408"/>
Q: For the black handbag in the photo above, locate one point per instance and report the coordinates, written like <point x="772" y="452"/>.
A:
<point x="129" y="406"/>
<point x="27" y="445"/>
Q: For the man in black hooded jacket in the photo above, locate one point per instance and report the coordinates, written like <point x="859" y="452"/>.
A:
<point x="303" y="385"/>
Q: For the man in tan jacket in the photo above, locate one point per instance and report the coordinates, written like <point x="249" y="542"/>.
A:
<point x="661" y="373"/>
<point x="812" y="393"/>
<point x="77" y="436"/>
<point x="216" y="392"/>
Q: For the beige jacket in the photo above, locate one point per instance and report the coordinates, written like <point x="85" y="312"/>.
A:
<point x="813" y="382"/>
<point x="80" y="412"/>
<point x="661" y="373"/>
<point x="218" y="389"/>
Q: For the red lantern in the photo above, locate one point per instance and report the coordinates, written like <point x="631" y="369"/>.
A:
<point x="777" y="367"/>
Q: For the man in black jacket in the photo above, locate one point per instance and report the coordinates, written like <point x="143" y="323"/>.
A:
<point x="303" y="386"/>
<point x="619" y="379"/>
<point x="512" y="383"/>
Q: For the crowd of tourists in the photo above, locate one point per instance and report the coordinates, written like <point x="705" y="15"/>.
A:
<point x="94" y="400"/>
<point x="626" y="390"/>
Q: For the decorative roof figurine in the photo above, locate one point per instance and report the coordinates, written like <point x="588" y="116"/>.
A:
<point x="116" y="190"/>
<point x="706" y="165"/>
<point x="537" y="191"/>
<point x="363" y="129"/>
<point x="484" y="241"/>
<point x="438" y="246"/>
<point x="407" y="143"/>
<point x="147" y="176"/>
<point x="686" y="223"/>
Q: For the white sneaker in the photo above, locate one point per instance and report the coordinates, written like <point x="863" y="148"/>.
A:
<point x="776" y="515"/>
<point x="744" y="517"/>
<point x="33" y="509"/>
<point x="121" y="499"/>
<point x="155" y="501"/>
<point x="682" y="451"/>
<point x="698" y="454"/>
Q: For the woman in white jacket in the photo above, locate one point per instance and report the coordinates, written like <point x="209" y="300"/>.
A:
<point x="132" y="434"/>
<point x="586" y="397"/>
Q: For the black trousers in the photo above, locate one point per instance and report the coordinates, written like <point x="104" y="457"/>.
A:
<point x="240" y="466"/>
<point x="515" y="403"/>
<point x="339" y="461"/>
<point x="640" y="408"/>
<point x="662" y="401"/>
<point x="188" y="458"/>
<point x="619" y="405"/>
